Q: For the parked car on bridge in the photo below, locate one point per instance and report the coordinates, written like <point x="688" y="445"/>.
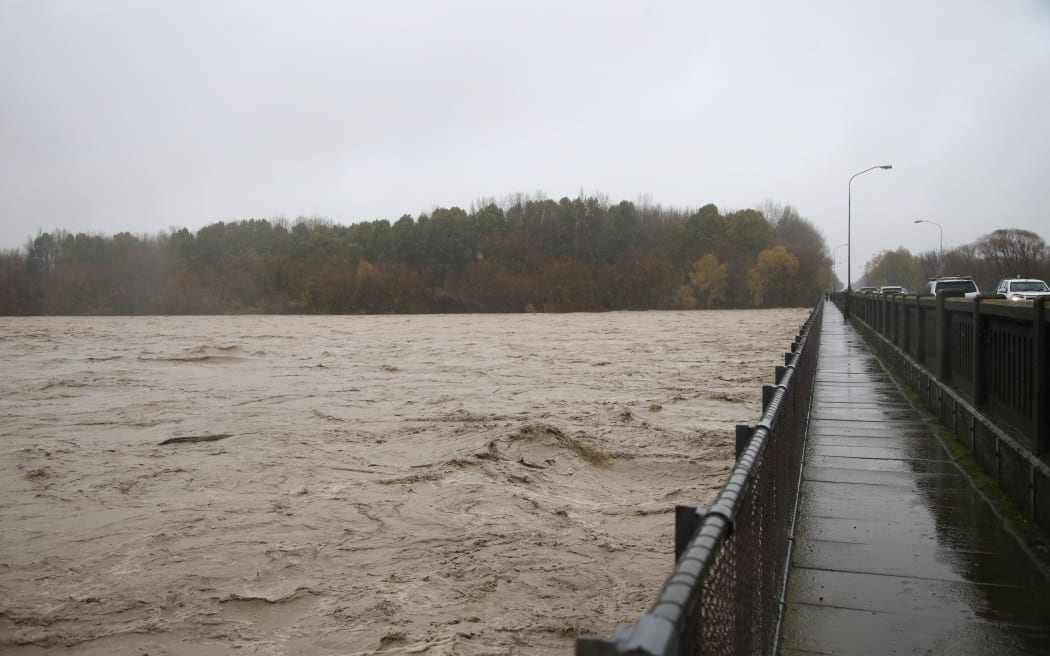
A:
<point x="964" y="284"/>
<point x="1022" y="289"/>
<point x="892" y="289"/>
<point x="869" y="290"/>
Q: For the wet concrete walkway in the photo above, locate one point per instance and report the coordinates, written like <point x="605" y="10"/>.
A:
<point x="895" y="551"/>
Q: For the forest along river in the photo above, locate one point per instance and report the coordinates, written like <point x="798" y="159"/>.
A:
<point x="454" y="484"/>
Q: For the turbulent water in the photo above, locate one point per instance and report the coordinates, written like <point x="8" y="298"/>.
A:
<point x="457" y="484"/>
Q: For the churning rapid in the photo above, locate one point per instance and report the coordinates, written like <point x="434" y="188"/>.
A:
<point x="453" y="484"/>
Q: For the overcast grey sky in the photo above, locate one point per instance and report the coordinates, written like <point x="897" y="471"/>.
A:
<point x="141" y="116"/>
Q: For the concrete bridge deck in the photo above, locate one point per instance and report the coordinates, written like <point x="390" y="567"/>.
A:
<point x="896" y="552"/>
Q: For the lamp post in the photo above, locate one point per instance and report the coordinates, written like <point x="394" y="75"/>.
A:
<point x="940" y="251"/>
<point x="849" y="221"/>
<point x="835" y="258"/>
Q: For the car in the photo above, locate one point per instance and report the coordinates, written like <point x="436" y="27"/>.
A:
<point x="964" y="284"/>
<point x="1022" y="289"/>
<point x="869" y="290"/>
<point x="892" y="289"/>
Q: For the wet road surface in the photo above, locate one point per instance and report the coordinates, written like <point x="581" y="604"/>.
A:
<point x="896" y="552"/>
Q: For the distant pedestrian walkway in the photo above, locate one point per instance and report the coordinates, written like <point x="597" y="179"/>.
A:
<point x="896" y="552"/>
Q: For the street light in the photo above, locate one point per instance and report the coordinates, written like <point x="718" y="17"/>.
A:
<point x="940" y="253"/>
<point x="835" y="258"/>
<point x="849" y="221"/>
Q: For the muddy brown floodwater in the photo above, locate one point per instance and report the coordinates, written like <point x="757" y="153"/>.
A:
<point x="456" y="484"/>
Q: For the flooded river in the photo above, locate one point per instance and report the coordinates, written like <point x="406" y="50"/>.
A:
<point x="453" y="484"/>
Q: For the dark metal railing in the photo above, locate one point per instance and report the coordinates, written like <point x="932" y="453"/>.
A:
<point x="990" y="351"/>
<point x="726" y="592"/>
<point x="982" y="365"/>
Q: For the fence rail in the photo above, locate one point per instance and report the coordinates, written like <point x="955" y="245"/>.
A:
<point x="726" y="592"/>
<point x="992" y="352"/>
<point x="981" y="365"/>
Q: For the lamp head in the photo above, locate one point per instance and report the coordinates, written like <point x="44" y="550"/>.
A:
<point x="886" y="166"/>
<point x="918" y="221"/>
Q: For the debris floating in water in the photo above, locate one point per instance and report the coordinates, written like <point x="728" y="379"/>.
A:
<point x="197" y="438"/>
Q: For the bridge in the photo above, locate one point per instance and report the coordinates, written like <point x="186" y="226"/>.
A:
<point x="848" y="525"/>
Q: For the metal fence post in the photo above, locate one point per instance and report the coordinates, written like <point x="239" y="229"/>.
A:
<point x="920" y="330"/>
<point x="743" y="436"/>
<point x="942" y="320"/>
<point x="1041" y="378"/>
<point x="686" y="521"/>
<point x="944" y="335"/>
<point x="768" y="391"/>
<point x="891" y="314"/>
<point x="979" y="385"/>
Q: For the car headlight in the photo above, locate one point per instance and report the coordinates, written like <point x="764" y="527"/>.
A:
<point x="1016" y="297"/>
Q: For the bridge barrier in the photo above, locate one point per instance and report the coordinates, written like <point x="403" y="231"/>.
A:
<point x="980" y="365"/>
<point x="726" y="592"/>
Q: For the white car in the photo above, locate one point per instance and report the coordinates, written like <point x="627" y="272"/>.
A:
<point x="1022" y="289"/>
<point x="965" y="284"/>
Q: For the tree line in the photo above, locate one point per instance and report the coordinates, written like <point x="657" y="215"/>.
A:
<point x="523" y="254"/>
<point x="1003" y="253"/>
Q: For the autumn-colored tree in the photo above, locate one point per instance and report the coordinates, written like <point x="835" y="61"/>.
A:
<point x="635" y="283"/>
<point x="407" y="289"/>
<point x="564" y="286"/>
<point x="805" y="242"/>
<point x="709" y="278"/>
<point x="485" y="286"/>
<point x="368" y="289"/>
<point x="331" y="288"/>
<point x="772" y="276"/>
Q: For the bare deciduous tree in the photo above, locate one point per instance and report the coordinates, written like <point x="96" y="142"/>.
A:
<point x="1013" y="252"/>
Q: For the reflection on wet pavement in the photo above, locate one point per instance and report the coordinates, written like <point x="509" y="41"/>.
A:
<point x="895" y="550"/>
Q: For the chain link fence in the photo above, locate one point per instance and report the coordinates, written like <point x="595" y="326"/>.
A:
<point x="726" y="592"/>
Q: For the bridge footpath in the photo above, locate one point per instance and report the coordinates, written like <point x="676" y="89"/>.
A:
<point x="895" y="550"/>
